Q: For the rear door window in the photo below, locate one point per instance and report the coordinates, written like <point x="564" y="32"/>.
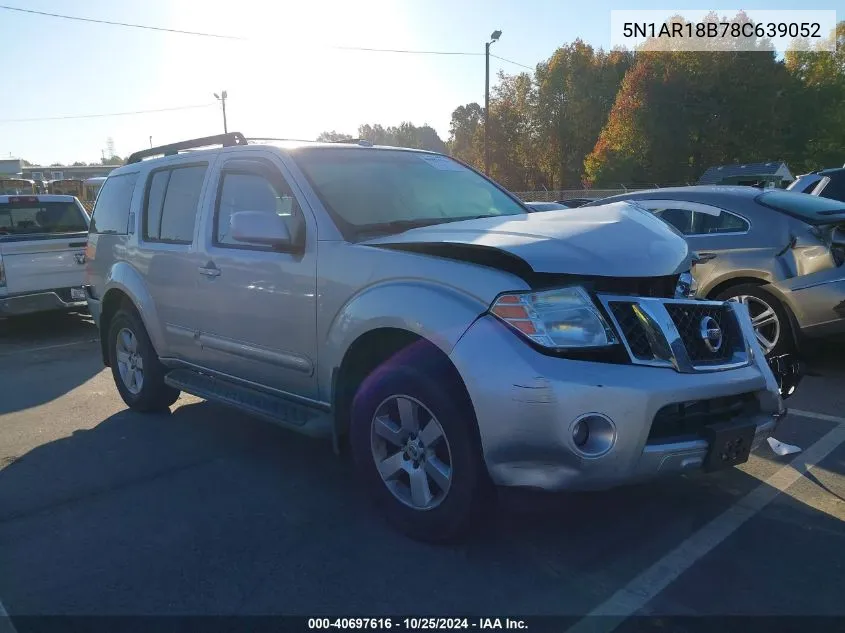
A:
<point x="111" y="211"/>
<point x="39" y="218"/>
<point x="172" y="204"/>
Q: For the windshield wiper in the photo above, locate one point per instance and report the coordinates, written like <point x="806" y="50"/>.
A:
<point x="399" y="226"/>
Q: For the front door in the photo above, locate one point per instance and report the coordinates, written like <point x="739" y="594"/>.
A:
<point x="259" y="302"/>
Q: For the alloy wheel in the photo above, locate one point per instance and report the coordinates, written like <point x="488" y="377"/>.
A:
<point x="411" y="452"/>
<point x="764" y="319"/>
<point x="130" y="365"/>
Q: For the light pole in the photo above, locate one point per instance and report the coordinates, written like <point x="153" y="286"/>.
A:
<point x="494" y="36"/>
<point x="222" y="99"/>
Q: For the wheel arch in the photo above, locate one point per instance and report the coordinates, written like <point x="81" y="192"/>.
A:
<point x="126" y="286"/>
<point x="375" y="347"/>
<point x="724" y="284"/>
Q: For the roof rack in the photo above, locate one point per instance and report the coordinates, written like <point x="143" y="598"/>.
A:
<point x="226" y="140"/>
<point x="355" y="141"/>
<point x="269" y="138"/>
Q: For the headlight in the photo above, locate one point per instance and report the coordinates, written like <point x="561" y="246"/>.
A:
<point x="562" y="319"/>
<point x="686" y="287"/>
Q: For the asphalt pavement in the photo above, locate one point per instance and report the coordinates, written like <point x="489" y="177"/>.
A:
<point x="205" y="510"/>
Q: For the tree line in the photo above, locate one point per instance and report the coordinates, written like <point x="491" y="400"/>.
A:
<point x="592" y="118"/>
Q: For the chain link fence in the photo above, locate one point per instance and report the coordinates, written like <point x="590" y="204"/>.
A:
<point x="591" y="194"/>
<point x="569" y="194"/>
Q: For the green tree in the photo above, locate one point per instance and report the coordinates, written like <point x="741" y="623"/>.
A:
<point x="463" y="129"/>
<point x="821" y="92"/>
<point x="333" y="137"/>
<point x="576" y="89"/>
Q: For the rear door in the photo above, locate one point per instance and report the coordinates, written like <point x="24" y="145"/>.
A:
<point x="42" y="244"/>
<point x="170" y="264"/>
<point x="711" y="232"/>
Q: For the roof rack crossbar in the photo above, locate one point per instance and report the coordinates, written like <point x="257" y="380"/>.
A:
<point x="269" y="138"/>
<point x="226" y="140"/>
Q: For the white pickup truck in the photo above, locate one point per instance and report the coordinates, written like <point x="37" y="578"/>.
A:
<point x="42" y="254"/>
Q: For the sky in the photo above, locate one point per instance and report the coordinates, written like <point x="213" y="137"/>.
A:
<point x="283" y="79"/>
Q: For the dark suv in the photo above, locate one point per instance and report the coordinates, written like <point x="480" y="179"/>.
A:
<point x="828" y="183"/>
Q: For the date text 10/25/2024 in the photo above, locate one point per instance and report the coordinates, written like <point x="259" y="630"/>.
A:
<point x="417" y="624"/>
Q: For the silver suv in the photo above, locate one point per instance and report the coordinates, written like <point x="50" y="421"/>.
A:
<point x="403" y="305"/>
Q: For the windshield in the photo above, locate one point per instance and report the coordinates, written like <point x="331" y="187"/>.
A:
<point x="21" y="218"/>
<point x="390" y="190"/>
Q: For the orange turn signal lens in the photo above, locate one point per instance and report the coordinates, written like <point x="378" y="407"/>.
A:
<point x="510" y="312"/>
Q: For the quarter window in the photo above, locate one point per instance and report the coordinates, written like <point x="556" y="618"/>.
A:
<point x="172" y="202"/>
<point x="111" y="211"/>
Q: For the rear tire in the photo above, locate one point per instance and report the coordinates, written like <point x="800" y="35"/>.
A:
<point x="773" y="326"/>
<point x="437" y="460"/>
<point x="137" y="372"/>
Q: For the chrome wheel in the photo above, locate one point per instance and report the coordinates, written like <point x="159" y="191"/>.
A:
<point x="411" y="452"/>
<point x="130" y="365"/>
<point x="764" y="319"/>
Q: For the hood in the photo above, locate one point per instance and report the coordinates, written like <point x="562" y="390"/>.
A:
<point x="612" y="240"/>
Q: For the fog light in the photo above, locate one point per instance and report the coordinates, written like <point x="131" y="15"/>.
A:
<point x="593" y="434"/>
<point x="580" y="433"/>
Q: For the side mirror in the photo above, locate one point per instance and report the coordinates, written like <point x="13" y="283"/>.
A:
<point x="260" y="227"/>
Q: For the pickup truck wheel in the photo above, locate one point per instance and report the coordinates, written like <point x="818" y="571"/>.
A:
<point x="416" y="452"/>
<point x="137" y="372"/>
<point x="768" y="316"/>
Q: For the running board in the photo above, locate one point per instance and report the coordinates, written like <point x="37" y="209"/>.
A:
<point x="285" y="413"/>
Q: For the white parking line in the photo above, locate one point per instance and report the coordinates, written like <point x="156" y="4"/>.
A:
<point x="6" y="625"/>
<point x="817" y="416"/>
<point x="642" y="589"/>
<point x="32" y="350"/>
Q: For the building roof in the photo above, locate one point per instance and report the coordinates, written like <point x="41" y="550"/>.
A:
<point x="717" y="174"/>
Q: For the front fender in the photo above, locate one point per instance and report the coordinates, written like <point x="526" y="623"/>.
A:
<point x="124" y="278"/>
<point x="437" y="312"/>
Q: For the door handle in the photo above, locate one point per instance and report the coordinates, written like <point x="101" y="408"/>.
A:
<point x="700" y="258"/>
<point x="209" y="270"/>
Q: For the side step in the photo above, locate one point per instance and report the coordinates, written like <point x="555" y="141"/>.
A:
<point x="286" y="413"/>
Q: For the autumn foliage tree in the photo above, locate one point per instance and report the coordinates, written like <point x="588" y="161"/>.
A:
<point x="595" y="118"/>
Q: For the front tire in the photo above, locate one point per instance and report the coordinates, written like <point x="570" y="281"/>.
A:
<point x="137" y="372"/>
<point x="414" y="445"/>
<point x="768" y="316"/>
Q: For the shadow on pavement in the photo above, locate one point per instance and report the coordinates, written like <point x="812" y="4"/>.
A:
<point x="46" y="329"/>
<point x="207" y="511"/>
<point x="43" y="357"/>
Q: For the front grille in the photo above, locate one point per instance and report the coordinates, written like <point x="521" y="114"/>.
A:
<point x="689" y="319"/>
<point x="677" y="333"/>
<point x="686" y="419"/>
<point x="632" y="329"/>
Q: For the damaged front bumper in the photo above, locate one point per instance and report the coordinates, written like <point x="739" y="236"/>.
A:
<point x="528" y="406"/>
